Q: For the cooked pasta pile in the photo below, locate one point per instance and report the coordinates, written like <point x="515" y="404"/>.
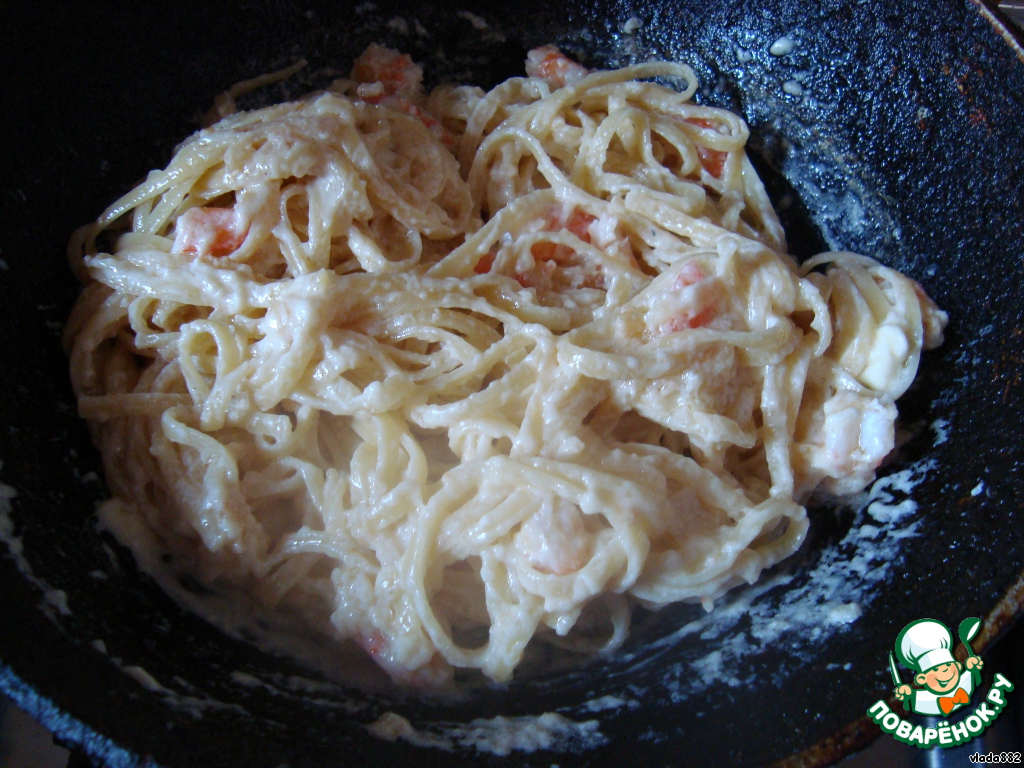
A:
<point x="441" y="373"/>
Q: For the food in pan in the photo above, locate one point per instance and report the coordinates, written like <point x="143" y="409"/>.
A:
<point x="446" y="373"/>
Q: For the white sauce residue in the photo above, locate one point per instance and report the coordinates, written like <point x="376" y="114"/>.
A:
<point x="793" y="88"/>
<point x="311" y="691"/>
<point x="845" y="613"/>
<point x="146" y="680"/>
<point x="631" y="26"/>
<point x="941" y="429"/>
<point x="497" y="736"/>
<point x="192" y="701"/>
<point x="783" y="46"/>
<point x="609" y="702"/>
<point x="399" y="25"/>
<point x="58" y="599"/>
<point x="472" y="18"/>
<point x="55" y="601"/>
<point x="978" y="489"/>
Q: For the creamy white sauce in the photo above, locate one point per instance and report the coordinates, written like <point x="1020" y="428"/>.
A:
<point x="844" y="613"/>
<point x="839" y="590"/>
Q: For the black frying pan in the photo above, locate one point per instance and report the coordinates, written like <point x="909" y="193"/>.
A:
<point x="905" y="144"/>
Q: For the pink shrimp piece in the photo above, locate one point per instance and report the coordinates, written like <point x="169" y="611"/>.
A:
<point x="208" y="231"/>
<point x="550" y="257"/>
<point x="702" y="306"/>
<point x="855" y="436"/>
<point x="689" y="274"/>
<point x="556" y="265"/>
<point x="697" y="319"/>
<point x="404" y="105"/>
<point x="578" y="223"/>
<point x="434" y="673"/>
<point x="392" y="79"/>
<point x="555" y="539"/>
<point x="553" y="67"/>
<point x="435" y="125"/>
<point x="396" y="72"/>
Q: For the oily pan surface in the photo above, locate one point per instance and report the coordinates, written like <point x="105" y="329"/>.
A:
<point x="899" y="140"/>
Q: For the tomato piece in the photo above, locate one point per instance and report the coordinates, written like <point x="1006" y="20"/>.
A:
<point x="579" y="224"/>
<point x="713" y="160"/>
<point x="544" y="251"/>
<point x="689" y="274"/>
<point x="484" y="265"/>
<point x="208" y="230"/>
<point x="687" y="320"/>
<point x="554" y="67"/>
<point x="701" y="318"/>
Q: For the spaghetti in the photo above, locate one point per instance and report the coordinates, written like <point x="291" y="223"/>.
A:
<point x="441" y="373"/>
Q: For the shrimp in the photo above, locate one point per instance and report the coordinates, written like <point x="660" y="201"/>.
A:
<point x="554" y="539"/>
<point x="397" y="73"/>
<point x="578" y="222"/>
<point x="553" y="67"/>
<point x="933" y="319"/>
<point x="392" y="79"/>
<point x="208" y="231"/>
<point x="429" y="676"/>
<point x="555" y="265"/>
<point x="694" y="300"/>
<point x="857" y="433"/>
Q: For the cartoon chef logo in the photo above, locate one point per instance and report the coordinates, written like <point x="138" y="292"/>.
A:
<point x="943" y="683"/>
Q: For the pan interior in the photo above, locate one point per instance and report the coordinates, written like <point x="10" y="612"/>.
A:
<point x="876" y="132"/>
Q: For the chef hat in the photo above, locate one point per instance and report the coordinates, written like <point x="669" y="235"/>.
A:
<point x="924" y="644"/>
